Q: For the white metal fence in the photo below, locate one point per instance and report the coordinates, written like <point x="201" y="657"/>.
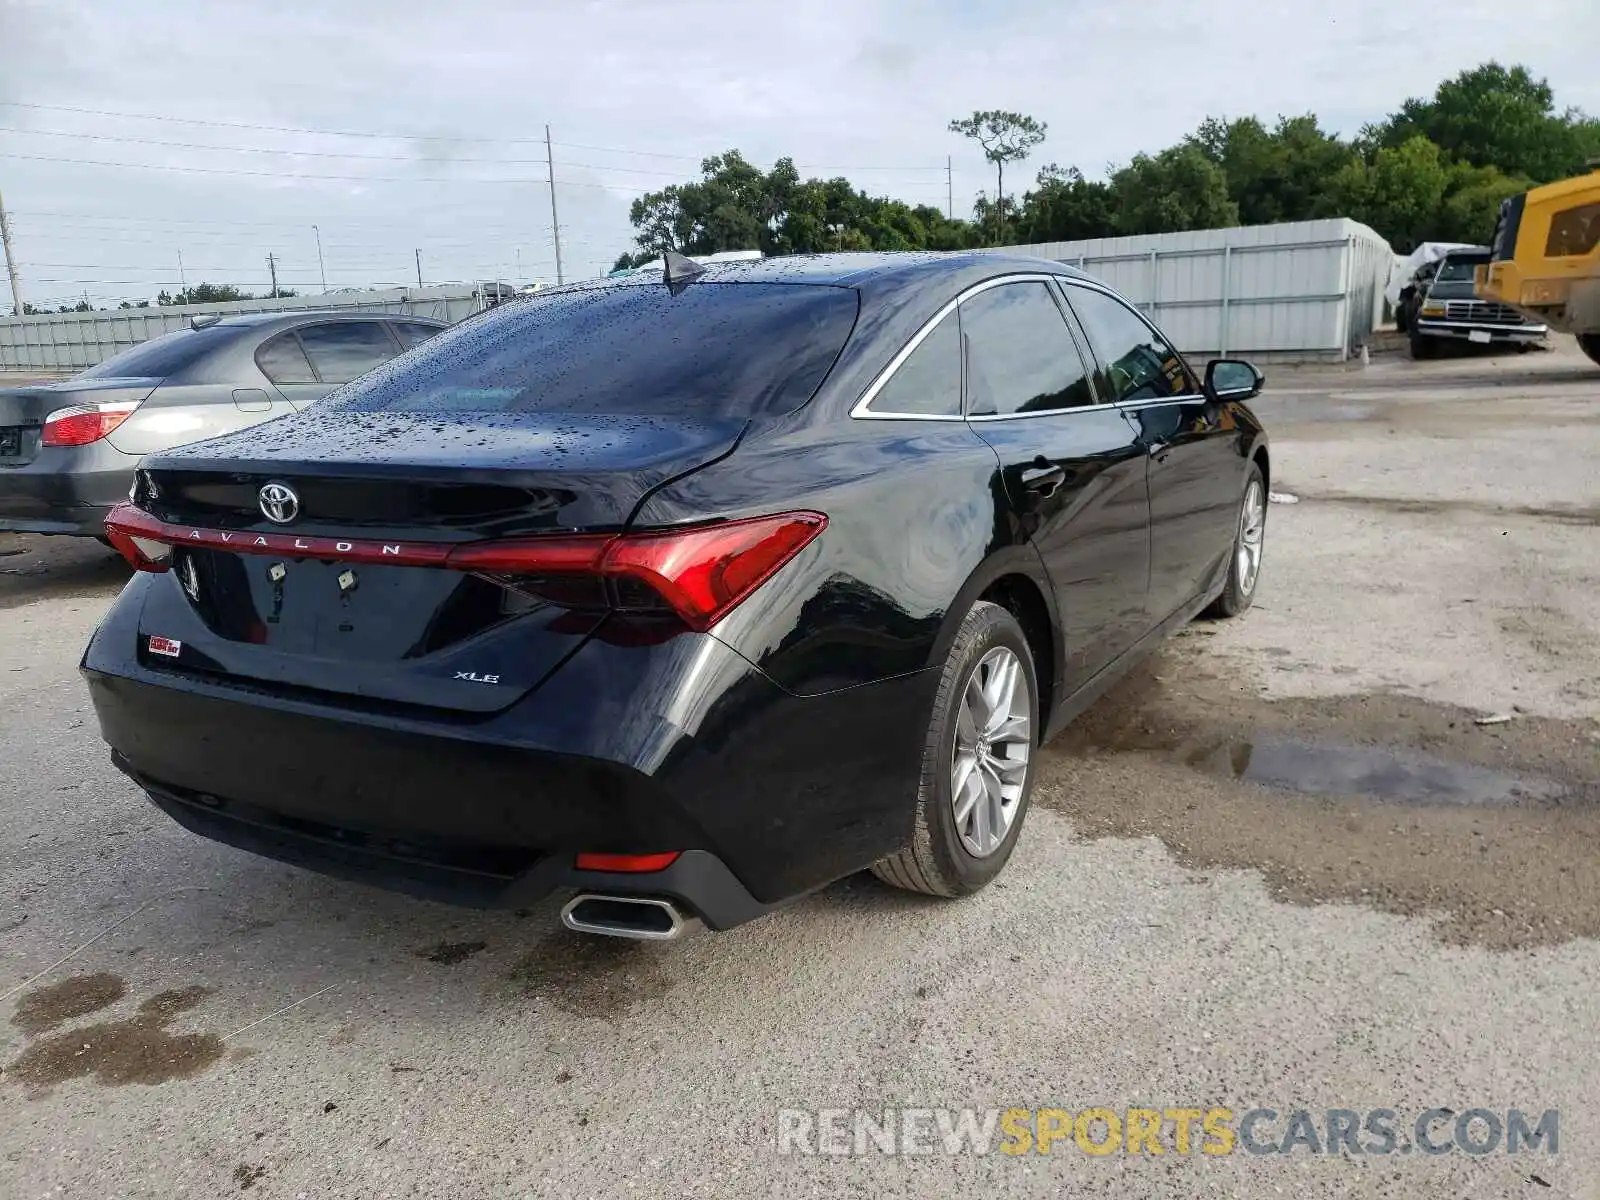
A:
<point x="1309" y="289"/>
<point x="59" y="342"/>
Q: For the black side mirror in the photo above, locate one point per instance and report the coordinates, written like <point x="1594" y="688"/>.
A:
<point x="1233" y="379"/>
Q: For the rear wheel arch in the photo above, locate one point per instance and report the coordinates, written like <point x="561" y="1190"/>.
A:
<point x="1024" y="599"/>
<point x="1014" y="579"/>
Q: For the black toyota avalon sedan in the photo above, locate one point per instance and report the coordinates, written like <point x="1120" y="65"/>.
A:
<point x="687" y="592"/>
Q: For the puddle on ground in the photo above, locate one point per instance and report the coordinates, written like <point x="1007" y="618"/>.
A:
<point x="1383" y="772"/>
<point x="1377" y="799"/>
<point x="45" y="1008"/>
<point x="138" y="1050"/>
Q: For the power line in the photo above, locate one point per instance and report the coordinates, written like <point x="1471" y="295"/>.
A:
<point x="88" y="162"/>
<point x="364" y="224"/>
<point x="390" y="136"/>
<point x="361" y="133"/>
<point x="293" y="153"/>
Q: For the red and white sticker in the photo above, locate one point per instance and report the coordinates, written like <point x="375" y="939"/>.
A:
<point x="170" y="647"/>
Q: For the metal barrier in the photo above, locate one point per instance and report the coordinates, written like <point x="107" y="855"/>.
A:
<point x="59" y="342"/>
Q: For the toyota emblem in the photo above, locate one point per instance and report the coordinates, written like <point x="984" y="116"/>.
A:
<point x="279" y="503"/>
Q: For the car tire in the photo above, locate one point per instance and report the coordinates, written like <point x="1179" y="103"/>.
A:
<point x="1249" y="544"/>
<point x="1589" y="343"/>
<point x="1421" y="347"/>
<point x="941" y="859"/>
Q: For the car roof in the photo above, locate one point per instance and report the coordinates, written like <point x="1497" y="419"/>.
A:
<point x="258" y="320"/>
<point x="864" y="268"/>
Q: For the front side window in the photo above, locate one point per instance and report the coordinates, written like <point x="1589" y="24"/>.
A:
<point x="1139" y="363"/>
<point x="1021" y="357"/>
<point x="343" y="350"/>
<point x="928" y="382"/>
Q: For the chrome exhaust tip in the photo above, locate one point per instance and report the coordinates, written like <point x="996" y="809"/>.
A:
<point x="644" y="918"/>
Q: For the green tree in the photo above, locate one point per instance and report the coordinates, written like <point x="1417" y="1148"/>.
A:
<point x="1494" y="116"/>
<point x="1277" y="175"/>
<point x="736" y="206"/>
<point x="1178" y="189"/>
<point x="1471" y="204"/>
<point x="1066" y="207"/>
<point x="1005" y="137"/>
<point x="211" y="293"/>
<point x="1399" y="192"/>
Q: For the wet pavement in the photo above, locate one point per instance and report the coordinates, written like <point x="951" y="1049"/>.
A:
<point x="1282" y="863"/>
<point x="1386" y="800"/>
<point x="1382" y="772"/>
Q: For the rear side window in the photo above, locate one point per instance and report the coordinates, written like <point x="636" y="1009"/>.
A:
<point x="714" y="349"/>
<point x="928" y="382"/>
<point x="163" y="356"/>
<point x="342" y="350"/>
<point x="1139" y="363"/>
<point x="282" y="361"/>
<point x="1020" y="355"/>
<point x="413" y="333"/>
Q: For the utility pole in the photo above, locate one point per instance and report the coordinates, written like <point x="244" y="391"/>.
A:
<point x="272" y="265"/>
<point x="11" y="262"/>
<point x="949" y="189"/>
<point x="519" y="264"/>
<point x="555" y="223"/>
<point x="419" y="266"/>
<point x="183" y="282"/>
<point x="321" y="270"/>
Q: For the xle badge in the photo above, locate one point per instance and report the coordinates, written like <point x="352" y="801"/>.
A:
<point x="168" y="647"/>
<point x="474" y="677"/>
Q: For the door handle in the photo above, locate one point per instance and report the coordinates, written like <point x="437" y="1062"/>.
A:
<point x="1043" y="481"/>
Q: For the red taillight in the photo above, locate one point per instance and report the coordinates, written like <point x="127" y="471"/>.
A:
<point x="84" y="423"/>
<point x="704" y="573"/>
<point x="138" y="537"/>
<point x="699" y="574"/>
<point x="629" y="863"/>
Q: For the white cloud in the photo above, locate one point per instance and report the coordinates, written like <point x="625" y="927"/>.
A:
<point x="840" y="88"/>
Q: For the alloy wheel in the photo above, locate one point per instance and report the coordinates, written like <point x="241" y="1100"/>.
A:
<point x="994" y="738"/>
<point x="1252" y="532"/>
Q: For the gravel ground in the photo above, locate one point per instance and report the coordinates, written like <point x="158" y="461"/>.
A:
<point x="1281" y="866"/>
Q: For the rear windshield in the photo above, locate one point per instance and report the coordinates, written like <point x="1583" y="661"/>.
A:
<point x="162" y="356"/>
<point x="715" y="349"/>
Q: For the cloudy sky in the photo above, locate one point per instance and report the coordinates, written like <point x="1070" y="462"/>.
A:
<point x="398" y="125"/>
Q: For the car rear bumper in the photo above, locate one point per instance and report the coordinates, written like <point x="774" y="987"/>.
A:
<point x="65" y="489"/>
<point x="698" y="881"/>
<point x="768" y="795"/>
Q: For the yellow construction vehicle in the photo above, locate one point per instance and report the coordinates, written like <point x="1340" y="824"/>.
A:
<point x="1545" y="258"/>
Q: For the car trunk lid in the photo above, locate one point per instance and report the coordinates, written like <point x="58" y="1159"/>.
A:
<point x="346" y="596"/>
<point x="23" y="409"/>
